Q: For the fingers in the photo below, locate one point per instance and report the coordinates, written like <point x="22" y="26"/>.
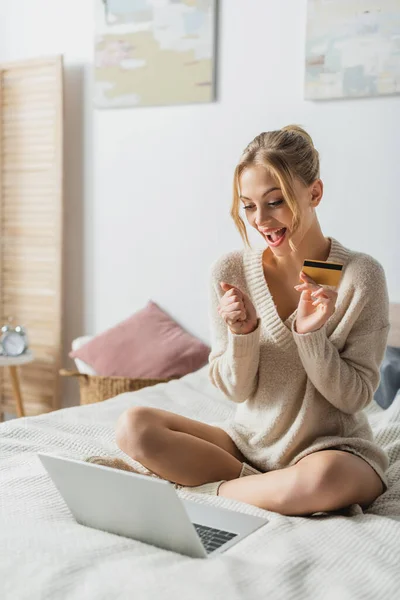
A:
<point x="231" y="306"/>
<point x="319" y="296"/>
<point x="232" y="294"/>
<point x="306" y="286"/>
<point x="321" y="301"/>
<point x="233" y="316"/>
<point x="317" y="290"/>
<point x="235" y="305"/>
<point x="229" y="300"/>
<point x="227" y="287"/>
<point x="326" y="292"/>
<point x="306" y="278"/>
<point x="325" y="299"/>
<point x="311" y="284"/>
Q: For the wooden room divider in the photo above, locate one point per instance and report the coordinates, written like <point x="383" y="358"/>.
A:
<point x="31" y="224"/>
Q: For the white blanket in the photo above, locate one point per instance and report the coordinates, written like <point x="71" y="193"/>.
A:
<point x="45" y="554"/>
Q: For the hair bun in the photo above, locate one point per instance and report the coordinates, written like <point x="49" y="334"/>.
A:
<point x="300" y="131"/>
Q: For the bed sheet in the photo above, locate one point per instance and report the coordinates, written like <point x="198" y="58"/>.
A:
<point x="46" y="555"/>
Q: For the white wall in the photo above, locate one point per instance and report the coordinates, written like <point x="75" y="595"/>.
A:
<point x="157" y="213"/>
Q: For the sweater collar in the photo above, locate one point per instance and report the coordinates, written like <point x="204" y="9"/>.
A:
<point x="278" y="330"/>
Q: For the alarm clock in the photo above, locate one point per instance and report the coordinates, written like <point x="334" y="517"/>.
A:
<point x="13" y="341"/>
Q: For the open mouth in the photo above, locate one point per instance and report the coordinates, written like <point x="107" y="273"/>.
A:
<point x="276" y="237"/>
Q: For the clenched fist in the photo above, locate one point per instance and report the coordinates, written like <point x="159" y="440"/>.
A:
<point x="237" y="310"/>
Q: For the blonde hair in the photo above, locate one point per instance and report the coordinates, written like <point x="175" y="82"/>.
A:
<point x="287" y="154"/>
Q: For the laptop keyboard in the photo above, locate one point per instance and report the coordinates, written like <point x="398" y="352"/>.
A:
<point x="213" y="538"/>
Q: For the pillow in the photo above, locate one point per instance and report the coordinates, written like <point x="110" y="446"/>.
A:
<point x="147" y="345"/>
<point x="390" y="378"/>
<point x="80" y="365"/>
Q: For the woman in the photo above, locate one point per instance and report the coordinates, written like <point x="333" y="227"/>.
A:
<point x="300" y="360"/>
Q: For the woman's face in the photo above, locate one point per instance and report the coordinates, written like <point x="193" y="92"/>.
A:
<point x="267" y="211"/>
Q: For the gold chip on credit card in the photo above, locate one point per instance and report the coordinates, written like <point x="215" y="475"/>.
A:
<point x="322" y="272"/>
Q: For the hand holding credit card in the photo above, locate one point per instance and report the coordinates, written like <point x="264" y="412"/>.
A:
<point x="323" y="272"/>
<point x="317" y="303"/>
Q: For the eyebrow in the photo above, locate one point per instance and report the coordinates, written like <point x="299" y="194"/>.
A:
<point x="264" y="194"/>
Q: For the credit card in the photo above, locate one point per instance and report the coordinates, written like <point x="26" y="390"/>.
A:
<point x="323" y="273"/>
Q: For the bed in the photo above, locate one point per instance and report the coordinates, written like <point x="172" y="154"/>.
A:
<point x="45" y="554"/>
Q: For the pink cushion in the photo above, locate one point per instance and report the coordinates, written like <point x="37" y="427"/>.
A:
<point x="148" y="345"/>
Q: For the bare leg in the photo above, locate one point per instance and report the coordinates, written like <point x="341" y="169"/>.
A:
<point x="178" y="449"/>
<point x="324" y="481"/>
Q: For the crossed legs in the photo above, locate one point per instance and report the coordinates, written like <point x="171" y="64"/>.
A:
<point x="192" y="453"/>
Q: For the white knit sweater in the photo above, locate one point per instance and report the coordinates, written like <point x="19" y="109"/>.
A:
<point x="299" y="393"/>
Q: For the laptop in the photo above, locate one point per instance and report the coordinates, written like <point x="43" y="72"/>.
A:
<point x="145" y="508"/>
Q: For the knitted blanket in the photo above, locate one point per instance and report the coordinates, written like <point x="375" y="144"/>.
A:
<point x="46" y="555"/>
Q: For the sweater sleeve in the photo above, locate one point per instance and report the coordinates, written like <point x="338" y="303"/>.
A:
<point x="349" y="378"/>
<point x="234" y="359"/>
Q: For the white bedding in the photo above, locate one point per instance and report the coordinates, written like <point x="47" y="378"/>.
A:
<point x="45" y="554"/>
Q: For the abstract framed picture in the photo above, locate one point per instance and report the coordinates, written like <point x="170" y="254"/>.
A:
<point x="352" y="49"/>
<point x="154" y="52"/>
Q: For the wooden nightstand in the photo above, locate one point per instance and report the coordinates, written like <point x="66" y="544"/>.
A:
<point x="12" y="363"/>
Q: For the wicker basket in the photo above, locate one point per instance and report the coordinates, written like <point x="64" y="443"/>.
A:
<point x="95" y="388"/>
